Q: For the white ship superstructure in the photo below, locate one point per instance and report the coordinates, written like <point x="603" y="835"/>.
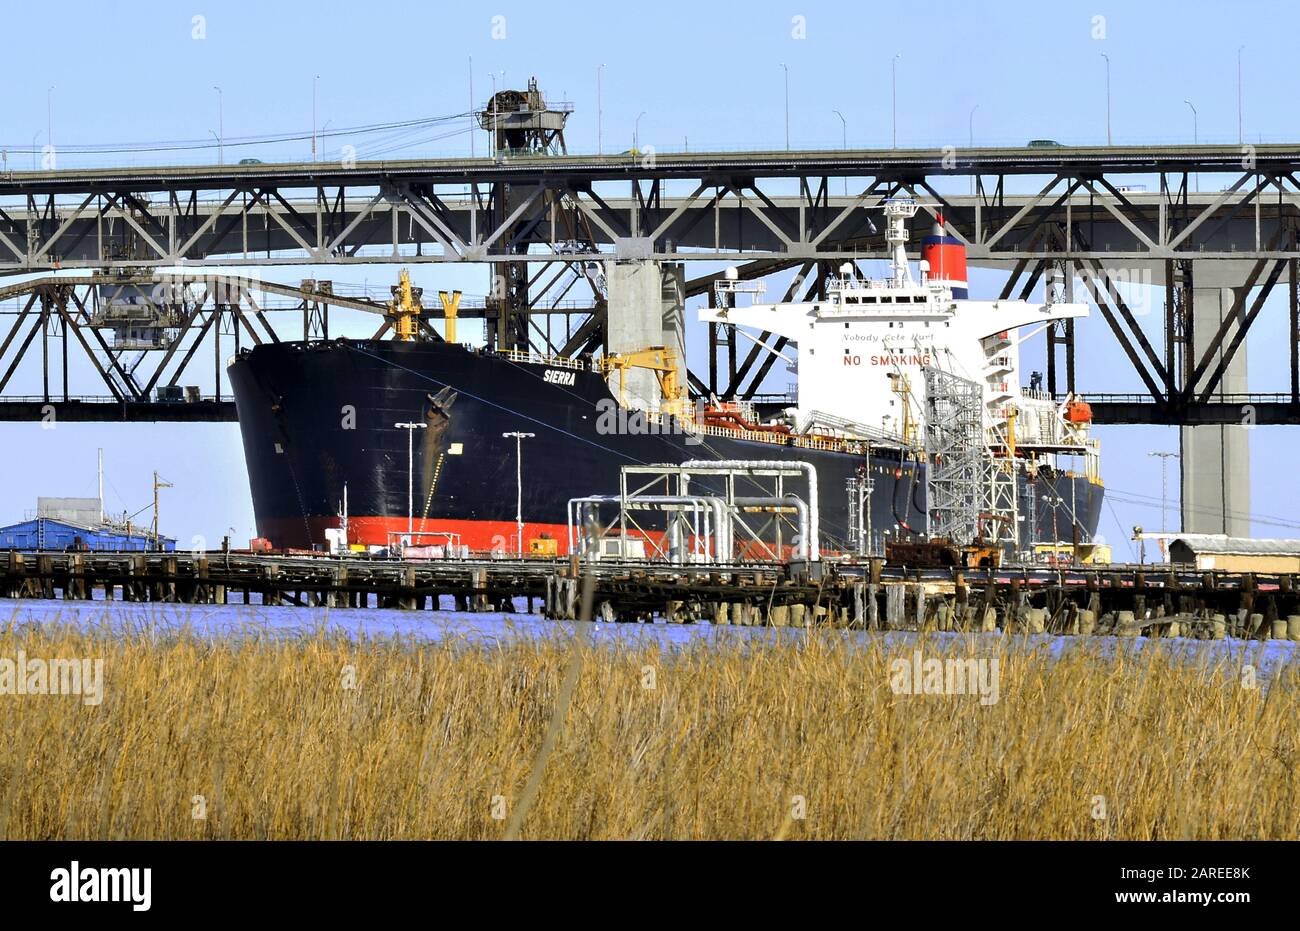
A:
<point x="862" y="350"/>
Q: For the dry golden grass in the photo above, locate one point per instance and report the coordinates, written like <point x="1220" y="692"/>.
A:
<point x="279" y="748"/>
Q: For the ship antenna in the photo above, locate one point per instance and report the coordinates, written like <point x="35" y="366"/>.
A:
<point x="898" y="210"/>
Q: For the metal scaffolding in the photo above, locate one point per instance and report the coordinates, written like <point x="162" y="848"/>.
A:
<point x="971" y="493"/>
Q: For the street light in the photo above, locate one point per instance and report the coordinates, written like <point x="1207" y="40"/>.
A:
<point x="1239" y="136"/>
<point x="49" y="117"/>
<point x="221" y="128"/>
<point x="600" y="113"/>
<point x="519" y="438"/>
<point x="893" y="96"/>
<point x="314" y="82"/>
<point x="970" y="132"/>
<point x="786" y="69"/>
<point x="636" y="132"/>
<point x="1107" y="57"/>
<point x="1054" y="501"/>
<point x="1195" y="138"/>
<point x="493" y="75"/>
<point x="410" y="428"/>
<point x="844" y="128"/>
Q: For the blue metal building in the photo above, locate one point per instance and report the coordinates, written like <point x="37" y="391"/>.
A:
<point x="48" y="533"/>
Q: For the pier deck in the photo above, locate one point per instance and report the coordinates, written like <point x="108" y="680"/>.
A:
<point x="1121" y="599"/>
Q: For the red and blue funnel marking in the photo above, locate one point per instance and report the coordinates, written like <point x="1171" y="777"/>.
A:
<point x="946" y="256"/>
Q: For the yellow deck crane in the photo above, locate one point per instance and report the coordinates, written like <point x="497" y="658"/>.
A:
<point x="662" y="360"/>
<point x="450" y="309"/>
<point x="404" y="310"/>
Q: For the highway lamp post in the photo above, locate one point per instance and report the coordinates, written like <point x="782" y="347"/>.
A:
<point x="844" y="134"/>
<point x="221" y="126"/>
<point x="519" y="438"/>
<point x="1239" y="135"/>
<point x="786" y="68"/>
<point x="1107" y="57"/>
<point x="893" y="97"/>
<point x="1195" y="138"/>
<point x="970" y="135"/>
<point x="600" y="112"/>
<point x="49" y="117"/>
<point x="410" y="427"/>
<point x="314" y="81"/>
<point x="636" y="133"/>
<point x="493" y="75"/>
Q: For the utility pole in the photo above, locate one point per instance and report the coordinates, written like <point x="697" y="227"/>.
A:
<point x="410" y="429"/>
<point x="519" y="483"/>
<point x="157" y="484"/>
<point x="1164" y="487"/>
<point x="1195" y="139"/>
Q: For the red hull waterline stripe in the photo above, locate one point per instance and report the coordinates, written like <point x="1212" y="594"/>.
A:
<point x="381" y="531"/>
<point x="478" y="535"/>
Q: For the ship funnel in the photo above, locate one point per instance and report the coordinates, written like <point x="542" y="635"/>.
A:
<point x="946" y="256"/>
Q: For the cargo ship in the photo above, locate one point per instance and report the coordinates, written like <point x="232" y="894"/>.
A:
<point x="409" y="440"/>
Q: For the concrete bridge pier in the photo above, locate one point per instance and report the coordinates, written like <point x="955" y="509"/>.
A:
<point x="1215" y="459"/>
<point x="646" y="307"/>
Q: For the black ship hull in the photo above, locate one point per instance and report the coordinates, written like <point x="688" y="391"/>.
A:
<point x="317" y="418"/>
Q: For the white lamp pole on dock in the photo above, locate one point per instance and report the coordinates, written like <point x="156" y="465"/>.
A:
<point x="410" y="429"/>
<point x="519" y="483"/>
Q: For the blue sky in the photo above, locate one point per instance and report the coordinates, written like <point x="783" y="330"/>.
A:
<point x="704" y="75"/>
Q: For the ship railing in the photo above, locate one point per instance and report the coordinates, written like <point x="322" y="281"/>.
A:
<point x="744" y="409"/>
<point x="536" y="358"/>
<point x="778" y="439"/>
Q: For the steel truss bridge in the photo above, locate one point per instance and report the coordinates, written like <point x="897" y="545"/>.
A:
<point x="540" y="222"/>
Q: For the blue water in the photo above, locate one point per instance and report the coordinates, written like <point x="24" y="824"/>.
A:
<point x="416" y="627"/>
